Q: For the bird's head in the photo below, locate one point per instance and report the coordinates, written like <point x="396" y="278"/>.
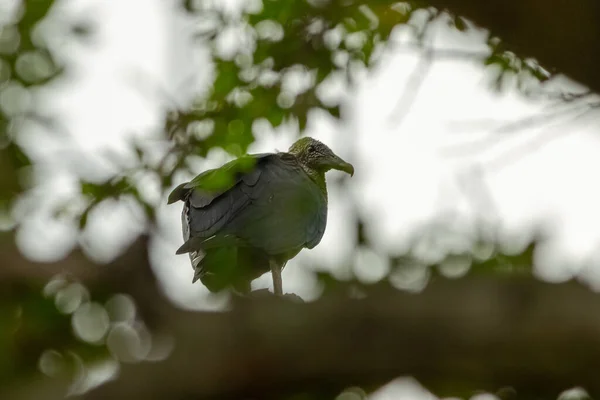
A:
<point x="317" y="156"/>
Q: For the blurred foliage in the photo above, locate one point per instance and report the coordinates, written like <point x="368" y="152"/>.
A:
<point x="286" y="55"/>
<point x="413" y="269"/>
<point x="29" y="319"/>
<point x="289" y="51"/>
<point x="62" y="330"/>
<point x="509" y="68"/>
<point x="25" y="63"/>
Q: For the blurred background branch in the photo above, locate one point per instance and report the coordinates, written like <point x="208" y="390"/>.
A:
<point x="536" y="338"/>
<point x="533" y="337"/>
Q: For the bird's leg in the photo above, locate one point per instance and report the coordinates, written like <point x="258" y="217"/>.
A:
<point x="276" y="273"/>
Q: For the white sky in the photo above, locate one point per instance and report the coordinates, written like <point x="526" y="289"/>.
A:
<point x="402" y="179"/>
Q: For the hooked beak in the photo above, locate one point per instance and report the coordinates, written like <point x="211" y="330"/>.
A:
<point x="341" y="165"/>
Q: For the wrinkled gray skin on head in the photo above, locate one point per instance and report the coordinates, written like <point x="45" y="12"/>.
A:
<point x="318" y="157"/>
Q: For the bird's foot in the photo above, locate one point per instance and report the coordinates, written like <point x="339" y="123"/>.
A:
<point x="265" y="293"/>
<point x="293" y="297"/>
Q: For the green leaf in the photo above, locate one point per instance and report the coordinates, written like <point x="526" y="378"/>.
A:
<point x="276" y="116"/>
<point x="460" y="23"/>
<point x="334" y="111"/>
<point x="227" y="79"/>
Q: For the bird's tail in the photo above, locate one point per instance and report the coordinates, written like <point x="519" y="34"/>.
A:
<point x="196" y="258"/>
<point x="215" y="268"/>
<point x="229" y="266"/>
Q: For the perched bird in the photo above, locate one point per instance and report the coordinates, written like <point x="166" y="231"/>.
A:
<point x="255" y="213"/>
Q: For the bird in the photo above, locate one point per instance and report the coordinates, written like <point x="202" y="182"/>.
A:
<point x="255" y="213"/>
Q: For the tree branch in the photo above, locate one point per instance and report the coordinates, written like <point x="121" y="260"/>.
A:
<point x="457" y="336"/>
<point x="476" y="333"/>
<point x="562" y="36"/>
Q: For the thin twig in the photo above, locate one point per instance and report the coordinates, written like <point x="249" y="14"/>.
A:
<point x="467" y="149"/>
<point x="411" y="90"/>
<point x="438" y="53"/>
<point x="534" y="144"/>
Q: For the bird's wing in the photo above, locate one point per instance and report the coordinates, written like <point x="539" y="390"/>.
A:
<point x="275" y="207"/>
<point x="211" y="198"/>
<point x="214" y="182"/>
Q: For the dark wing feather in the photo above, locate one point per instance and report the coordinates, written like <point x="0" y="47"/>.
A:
<point x="275" y="207"/>
<point x="214" y="182"/>
<point x="209" y="206"/>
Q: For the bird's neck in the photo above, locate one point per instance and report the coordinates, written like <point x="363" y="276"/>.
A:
<point x="318" y="177"/>
<point x="314" y="174"/>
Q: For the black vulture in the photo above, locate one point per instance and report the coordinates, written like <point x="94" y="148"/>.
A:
<point x="255" y="213"/>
